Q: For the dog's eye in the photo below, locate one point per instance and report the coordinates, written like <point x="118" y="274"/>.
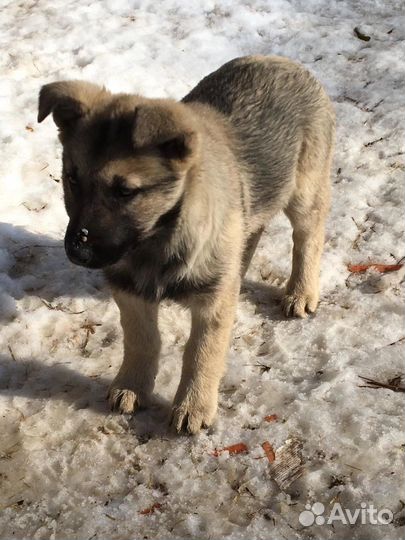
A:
<point x="122" y="191"/>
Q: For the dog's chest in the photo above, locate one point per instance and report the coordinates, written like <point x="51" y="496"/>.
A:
<point x="155" y="282"/>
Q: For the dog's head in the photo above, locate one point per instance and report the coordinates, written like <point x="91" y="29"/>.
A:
<point x="125" y="163"/>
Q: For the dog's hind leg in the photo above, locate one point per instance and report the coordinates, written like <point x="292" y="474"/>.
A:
<point x="307" y="210"/>
<point x="133" y="385"/>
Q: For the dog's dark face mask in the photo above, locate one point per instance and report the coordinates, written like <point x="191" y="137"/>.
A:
<point x="100" y="230"/>
<point x="125" y="163"/>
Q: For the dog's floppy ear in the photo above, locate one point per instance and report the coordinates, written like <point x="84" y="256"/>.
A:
<point x="67" y="101"/>
<point x="167" y="127"/>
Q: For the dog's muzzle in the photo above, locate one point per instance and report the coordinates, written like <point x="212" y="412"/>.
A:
<point x="78" y="248"/>
<point x="92" y="249"/>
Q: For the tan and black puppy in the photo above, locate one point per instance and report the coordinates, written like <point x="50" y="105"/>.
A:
<point x="170" y="200"/>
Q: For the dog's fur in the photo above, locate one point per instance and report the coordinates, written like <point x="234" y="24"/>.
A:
<point x="170" y="198"/>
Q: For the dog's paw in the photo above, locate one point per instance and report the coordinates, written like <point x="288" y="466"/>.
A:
<point x="123" y="400"/>
<point x="299" y="304"/>
<point x="193" y="413"/>
<point x="127" y="401"/>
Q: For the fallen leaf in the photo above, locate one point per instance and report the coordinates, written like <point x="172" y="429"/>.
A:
<point x="289" y="464"/>
<point x="268" y="450"/>
<point x="239" y="448"/>
<point x="358" y="268"/>
<point x="151" y="509"/>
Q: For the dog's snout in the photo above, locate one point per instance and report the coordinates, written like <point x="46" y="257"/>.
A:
<point x="77" y="254"/>
<point x="77" y="247"/>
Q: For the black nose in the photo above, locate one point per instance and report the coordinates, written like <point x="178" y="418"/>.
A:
<point x="78" y="249"/>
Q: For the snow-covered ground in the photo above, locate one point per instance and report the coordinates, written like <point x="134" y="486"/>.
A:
<point x="71" y="469"/>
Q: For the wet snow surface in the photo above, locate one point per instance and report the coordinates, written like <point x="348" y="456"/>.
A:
<point x="71" y="469"/>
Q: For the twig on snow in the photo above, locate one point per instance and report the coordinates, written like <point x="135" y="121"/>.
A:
<point x="393" y="384"/>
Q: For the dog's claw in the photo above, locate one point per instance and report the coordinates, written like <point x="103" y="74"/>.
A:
<point x="190" y="419"/>
<point x="297" y="305"/>
<point x="123" y="401"/>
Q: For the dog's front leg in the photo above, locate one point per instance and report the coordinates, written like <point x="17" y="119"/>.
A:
<point x="133" y="385"/>
<point x="196" y="400"/>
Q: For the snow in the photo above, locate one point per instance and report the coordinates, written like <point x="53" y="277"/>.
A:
<point x="71" y="469"/>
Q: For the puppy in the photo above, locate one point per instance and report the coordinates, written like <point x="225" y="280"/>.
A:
<point x="170" y="199"/>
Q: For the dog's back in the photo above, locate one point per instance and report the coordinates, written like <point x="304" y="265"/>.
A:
<point x="283" y="125"/>
<point x="281" y="116"/>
